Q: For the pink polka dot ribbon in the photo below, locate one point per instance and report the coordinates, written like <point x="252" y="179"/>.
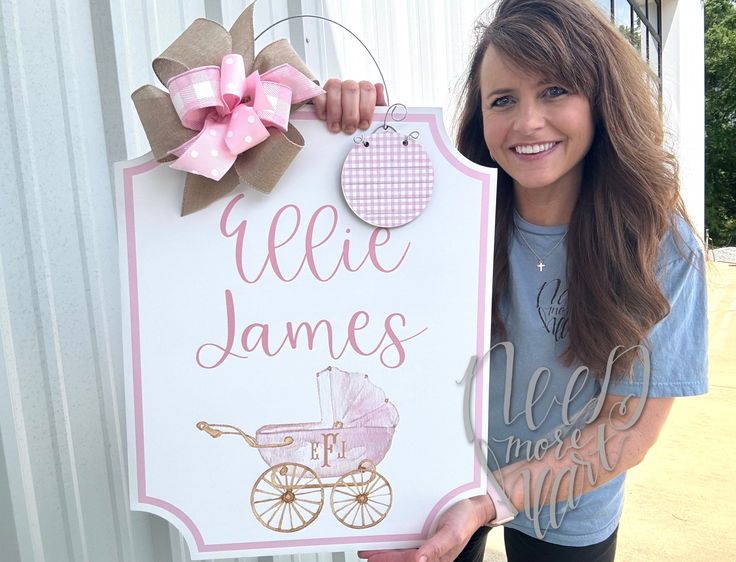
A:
<point x="232" y="111"/>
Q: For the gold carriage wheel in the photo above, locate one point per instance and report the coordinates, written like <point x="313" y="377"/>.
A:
<point x="287" y="497"/>
<point x="361" y="498"/>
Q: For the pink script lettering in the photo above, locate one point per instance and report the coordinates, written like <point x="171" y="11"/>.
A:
<point x="260" y="337"/>
<point x="288" y="220"/>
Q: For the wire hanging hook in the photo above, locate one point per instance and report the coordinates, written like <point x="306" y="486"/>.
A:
<point x="414" y="135"/>
<point x="360" y="139"/>
<point x="391" y="112"/>
<point x="312" y="16"/>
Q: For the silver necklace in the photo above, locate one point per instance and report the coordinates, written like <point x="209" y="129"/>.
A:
<point x="540" y="260"/>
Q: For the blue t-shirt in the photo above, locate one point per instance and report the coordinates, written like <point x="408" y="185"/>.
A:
<point x="529" y="383"/>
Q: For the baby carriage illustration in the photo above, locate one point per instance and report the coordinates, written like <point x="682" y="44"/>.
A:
<point x="352" y="437"/>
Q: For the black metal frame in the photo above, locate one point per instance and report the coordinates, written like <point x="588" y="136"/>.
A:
<point x="653" y="27"/>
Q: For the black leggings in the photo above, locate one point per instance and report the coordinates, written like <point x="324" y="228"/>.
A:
<point x="523" y="548"/>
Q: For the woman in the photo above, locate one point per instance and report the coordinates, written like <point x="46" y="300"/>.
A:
<point x="599" y="295"/>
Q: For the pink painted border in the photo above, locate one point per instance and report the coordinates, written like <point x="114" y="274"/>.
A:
<point x="143" y="498"/>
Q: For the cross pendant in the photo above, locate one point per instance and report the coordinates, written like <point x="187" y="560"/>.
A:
<point x="540" y="265"/>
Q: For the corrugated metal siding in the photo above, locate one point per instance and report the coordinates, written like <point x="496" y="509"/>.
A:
<point x="57" y="285"/>
<point x="422" y="45"/>
<point x="67" y="70"/>
<point x="66" y="73"/>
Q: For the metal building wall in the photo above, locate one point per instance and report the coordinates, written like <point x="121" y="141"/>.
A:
<point x="66" y="72"/>
<point x="423" y="46"/>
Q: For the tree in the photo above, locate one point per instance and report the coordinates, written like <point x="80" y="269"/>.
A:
<point x="633" y="35"/>
<point x="720" y="120"/>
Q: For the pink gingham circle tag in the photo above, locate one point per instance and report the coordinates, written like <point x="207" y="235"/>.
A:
<point x="387" y="179"/>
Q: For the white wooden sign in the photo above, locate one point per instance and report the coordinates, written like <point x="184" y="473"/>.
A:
<point x="292" y="372"/>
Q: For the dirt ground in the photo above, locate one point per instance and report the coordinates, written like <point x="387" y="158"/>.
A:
<point x="681" y="501"/>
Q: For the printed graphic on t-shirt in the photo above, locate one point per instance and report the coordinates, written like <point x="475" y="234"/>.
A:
<point x="552" y="308"/>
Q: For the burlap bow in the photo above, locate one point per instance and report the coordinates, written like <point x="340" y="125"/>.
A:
<point x="225" y="142"/>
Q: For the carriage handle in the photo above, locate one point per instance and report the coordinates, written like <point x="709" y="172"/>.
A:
<point x="212" y="431"/>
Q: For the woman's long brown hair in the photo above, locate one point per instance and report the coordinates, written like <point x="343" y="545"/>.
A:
<point x="629" y="197"/>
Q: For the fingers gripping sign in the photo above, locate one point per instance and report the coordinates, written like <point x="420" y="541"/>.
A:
<point x="453" y="532"/>
<point x="348" y="105"/>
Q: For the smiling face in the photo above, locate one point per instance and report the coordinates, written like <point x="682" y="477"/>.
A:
<point x="537" y="130"/>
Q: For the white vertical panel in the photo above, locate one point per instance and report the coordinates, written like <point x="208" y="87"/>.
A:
<point x="54" y="426"/>
<point x="264" y="14"/>
<point x="683" y="56"/>
<point x="141" y="31"/>
<point x="320" y="48"/>
<point x="66" y="72"/>
<point x="422" y="46"/>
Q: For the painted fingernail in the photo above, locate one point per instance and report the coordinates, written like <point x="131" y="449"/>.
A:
<point x="363" y="125"/>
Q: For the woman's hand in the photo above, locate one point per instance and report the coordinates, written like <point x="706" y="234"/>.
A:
<point x="348" y="105"/>
<point x="453" y="532"/>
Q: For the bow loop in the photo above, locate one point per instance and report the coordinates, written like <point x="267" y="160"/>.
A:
<point x="242" y="37"/>
<point x="194" y="94"/>
<point x="232" y="81"/>
<point x="277" y="53"/>
<point x="301" y="86"/>
<point x="160" y="121"/>
<point x="203" y="43"/>
<point x="254" y="94"/>
<point x="275" y="105"/>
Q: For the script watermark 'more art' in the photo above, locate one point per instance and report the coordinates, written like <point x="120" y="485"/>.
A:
<point x="591" y="439"/>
